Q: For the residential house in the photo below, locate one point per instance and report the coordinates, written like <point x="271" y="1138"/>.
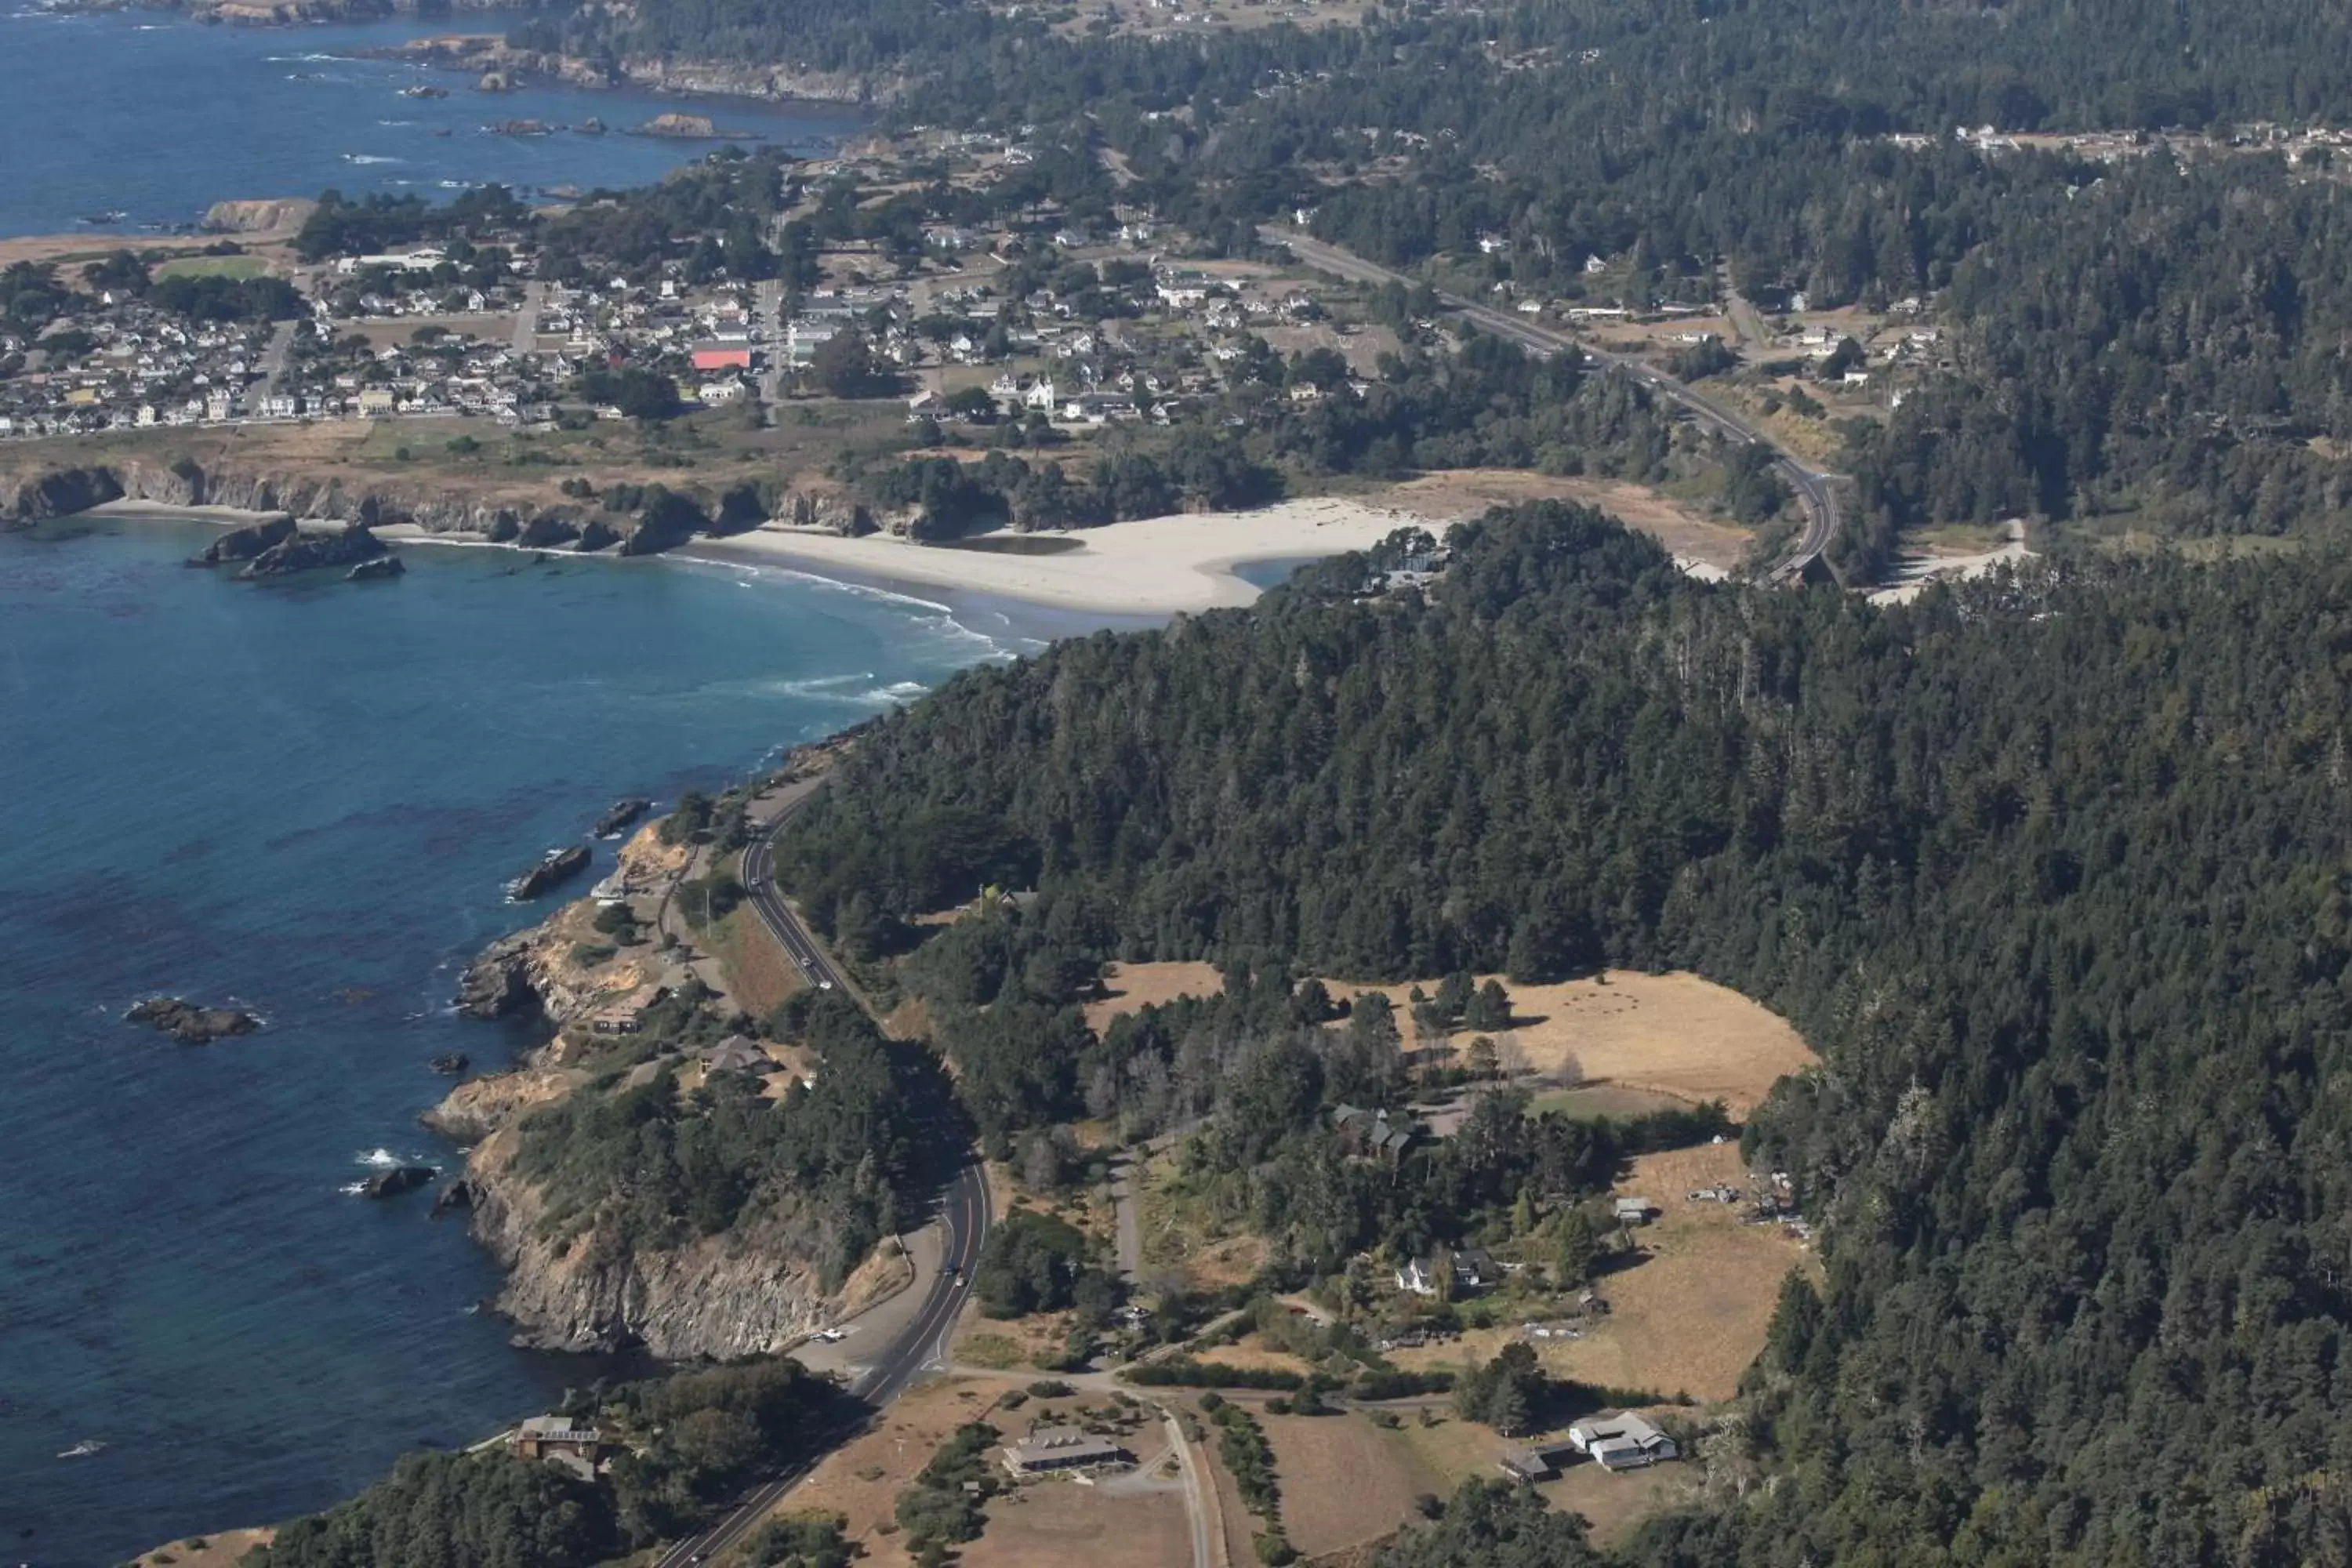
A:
<point x="1622" y="1441"/>
<point x="1371" y="1133"/>
<point x="1049" y="1449"/>
<point x="577" y="1446"/>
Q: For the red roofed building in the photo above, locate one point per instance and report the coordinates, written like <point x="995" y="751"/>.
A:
<point x="722" y="356"/>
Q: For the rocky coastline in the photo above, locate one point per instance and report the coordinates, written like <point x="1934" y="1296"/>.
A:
<point x="750" y="1291"/>
<point x="489" y="57"/>
<point x="48" y="493"/>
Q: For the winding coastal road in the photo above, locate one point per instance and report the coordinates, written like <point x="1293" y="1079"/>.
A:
<point x="1814" y="491"/>
<point x="963" y="1218"/>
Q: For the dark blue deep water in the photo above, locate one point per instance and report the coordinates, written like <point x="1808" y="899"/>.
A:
<point x="159" y="117"/>
<point x="303" y="799"/>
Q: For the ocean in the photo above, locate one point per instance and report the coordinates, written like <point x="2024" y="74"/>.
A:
<point x="303" y="799"/>
<point x="155" y="117"/>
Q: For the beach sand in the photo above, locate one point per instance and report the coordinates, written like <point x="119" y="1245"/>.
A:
<point x="1157" y="566"/>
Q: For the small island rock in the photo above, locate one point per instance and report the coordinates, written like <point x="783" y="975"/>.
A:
<point x="449" y="1064"/>
<point x="189" y="1022"/>
<point x="398" y="1179"/>
<point x="382" y="569"/>
<point x="304" y="551"/>
<point x="556" y="866"/>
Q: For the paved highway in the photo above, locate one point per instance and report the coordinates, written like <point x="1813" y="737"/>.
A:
<point x="963" y="1223"/>
<point x="1814" y="491"/>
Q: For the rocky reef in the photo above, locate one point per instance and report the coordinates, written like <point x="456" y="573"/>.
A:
<point x="190" y="1023"/>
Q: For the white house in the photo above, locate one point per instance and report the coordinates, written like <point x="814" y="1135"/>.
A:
<point x="1622" y="1441"/>
<point x="1418" y="1276"/>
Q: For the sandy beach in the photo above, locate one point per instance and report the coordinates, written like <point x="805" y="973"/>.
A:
<point x="1157" y="566"/>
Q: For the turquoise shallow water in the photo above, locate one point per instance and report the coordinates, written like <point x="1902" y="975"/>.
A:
<point x="304" y="798"/>
<point x="156" y="117"/>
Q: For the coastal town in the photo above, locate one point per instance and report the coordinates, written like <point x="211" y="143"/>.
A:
<point x="1015" y="308"/>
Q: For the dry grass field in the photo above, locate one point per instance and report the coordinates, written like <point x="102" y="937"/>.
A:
<point x="1181" y="1238"/>
<point x="861" y="1481"/>
<point x="1468" y="492"/>
<point x="1688" y="1312"/>
<point x="1068" y="1524"/>
<point x="1130" y="987"/>
<point x="219" y="1551"/>
<point x="1674" y="1034"/>
<point x="758" y="973"/>
<point x="1344" y="1480"/>
<point x="1614" y="1504"/>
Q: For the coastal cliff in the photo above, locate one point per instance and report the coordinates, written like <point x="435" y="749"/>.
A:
<point x="487" y="55"/>
<point x="44" y="494"/>
<point x="755" y="1287"/>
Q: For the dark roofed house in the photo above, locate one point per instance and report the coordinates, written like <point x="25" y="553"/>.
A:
<point x="1539" y="1463"/>
<point x="1371" y="1133"/>
<point x="1052" y="1448"/>
<point x="1474" y="1268"/>
<point x="738" y="1053"/>
<point x="577" y="1446"/>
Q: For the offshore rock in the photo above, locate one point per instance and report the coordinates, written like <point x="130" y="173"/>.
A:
<point x="623" y="813"/>
<point x="186" y="1022"/>
<point x="246" y="543"/>
<point x="398" y="1179"/>
<point x="383" y="569"/>
<point x="556" y="866"/>
<point x="307" y="551"/>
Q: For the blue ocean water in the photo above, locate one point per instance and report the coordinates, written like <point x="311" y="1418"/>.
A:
<point x="158" y="118"/>
<point x="303" y="799"/>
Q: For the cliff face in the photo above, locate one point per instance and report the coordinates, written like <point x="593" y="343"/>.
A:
<point x="744" y="1293"/>
<point x="34" y="495"/>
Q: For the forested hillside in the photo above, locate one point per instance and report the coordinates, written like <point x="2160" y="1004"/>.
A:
<point x="2050" y="871"/>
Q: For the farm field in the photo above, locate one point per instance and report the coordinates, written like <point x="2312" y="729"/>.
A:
<point x="1602" y="1099"/>
<point x="1674" y="1035"/>
<point x="1615" y="1503"/>
<point x="214" y="267"/>
<point x="1688" y="1312"/>
<point x="1066" y="1525"/>
<point x="1344" y="1480"/>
